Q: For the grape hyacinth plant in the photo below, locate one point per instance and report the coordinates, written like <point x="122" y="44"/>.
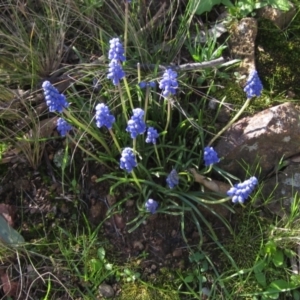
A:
<point x="136" y="124"/>
<point x="63" y="126"/>
<point x="210" y="156"/>
<point x="172" y="179"/>
<point x="253" y="85"/>
<point x="116" y="56"/>
<point x="168" y="83"/>
<point x="115" y="72"/>
<point x="128" y="161"/>
<point x="152" y="135"/>
<point x="55" y="101"/>
<point x="103" y="116"/>
<point x="241" y="191"/>
<point x="116" y="50"/>
<point x="151" y="206"/>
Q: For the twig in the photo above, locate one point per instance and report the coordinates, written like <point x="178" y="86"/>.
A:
<point x="191" y="66"/>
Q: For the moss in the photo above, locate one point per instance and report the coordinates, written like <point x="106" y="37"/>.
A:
<point x="138" y="291"/>
<point x="244" y="245"/>
<point x="277" y="56"/>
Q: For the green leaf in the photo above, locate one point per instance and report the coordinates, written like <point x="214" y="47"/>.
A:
<point x="278" y="258"/>
<point x="281" y="285"/>
<point x="270" y="247"/>
<point x="261" y="278"/>
<point x="189" y="278"/>
<point x="196" y="257"/>
<point x="101" y="253"/>
<point x="203" y="6"/>
<point x="95" y="265"/>
<point x="259" y="266"/>
<point x="280" y="4"/>
<point x="296" y="295"/>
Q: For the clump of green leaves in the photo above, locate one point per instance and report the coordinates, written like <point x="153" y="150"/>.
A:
<point x="240" y="9"/>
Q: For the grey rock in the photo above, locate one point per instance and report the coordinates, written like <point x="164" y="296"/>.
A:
<point x="278" y="17"/>
<point x="106" y="291"/>
<point x="279" y="191"/>
<point x="257" y="144"/>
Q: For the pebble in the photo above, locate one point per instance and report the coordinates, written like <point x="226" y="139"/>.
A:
<point x="105" y="290"/>
<point x="138" y="245"/>
<point x="177" y="252"/>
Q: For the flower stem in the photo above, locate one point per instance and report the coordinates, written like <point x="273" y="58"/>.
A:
<point x="246" y="104"/>
<point x="136" y="180"/>
<point x="146" y="102"/>
<point x="168" y="114"/>
<point x="157" y="155"/>
<point x="88" y="130"/>
<point x="123" y="102"/>
<point x="115" y="140"/>
<point x="128" y="93"/>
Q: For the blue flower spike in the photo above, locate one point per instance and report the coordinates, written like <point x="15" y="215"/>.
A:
<point x="172" y="179"/>
<point x="152" y="135"/>
<point x="116" y="50"/>
<point x="136" y="124"/>
<point x="127" y="161"/>
<point x="103" y="116"/>
<point x="115" y="72"/>
<point x="210" y="156"/>
<point x="169" y="83"/>
<point x="151" y="206"/>
<point x="253" y="85"/>
<point x="55" y="101"/>
<point x="241" y="191"/>
<point x="116" y="56"/>
<point x="63" y="126"/>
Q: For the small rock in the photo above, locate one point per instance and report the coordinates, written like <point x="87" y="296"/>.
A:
<point x="111" y="200"/>
<point x="278" y="17"/>
<point x="173" y="233"/>
<point x="153" y="267"/>
<point x="105" y="290"/>
<point x="138" y="245"/>
<point x="177" y="252"/>
<point x="129" y="203"/>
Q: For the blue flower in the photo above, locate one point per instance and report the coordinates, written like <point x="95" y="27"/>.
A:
<point x="151" y="206"/>
<point x="210" y="156"/>
<point x="63" y="126"/>
<point x="115" y="72"/>
<point x="127" y="161"/>
<point x="136" y="124"/>
<point x="169" y="83"/>
<point x="144" y="84"/>
<point x="152" y="135"/>
<point x="116" y="50"/>
<point x="103" y="116"/>
<point x="241" y="191"/>
<point x="172" y="179"/>
<point x="253" y="85"/>
<point x="55" y="100"/>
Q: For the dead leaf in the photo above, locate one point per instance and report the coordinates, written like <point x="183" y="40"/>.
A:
<point x="10" y="288"/>
<point x="212" y="185"/>
<point x="8" y="212"/>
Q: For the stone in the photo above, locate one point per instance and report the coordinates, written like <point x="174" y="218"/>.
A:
<point x="105" y="290"/>
<point x="280" y="191"/>
<point x="242" y="43"/>
<point x="257" y="144"/>
<point x="279" y="17"/>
